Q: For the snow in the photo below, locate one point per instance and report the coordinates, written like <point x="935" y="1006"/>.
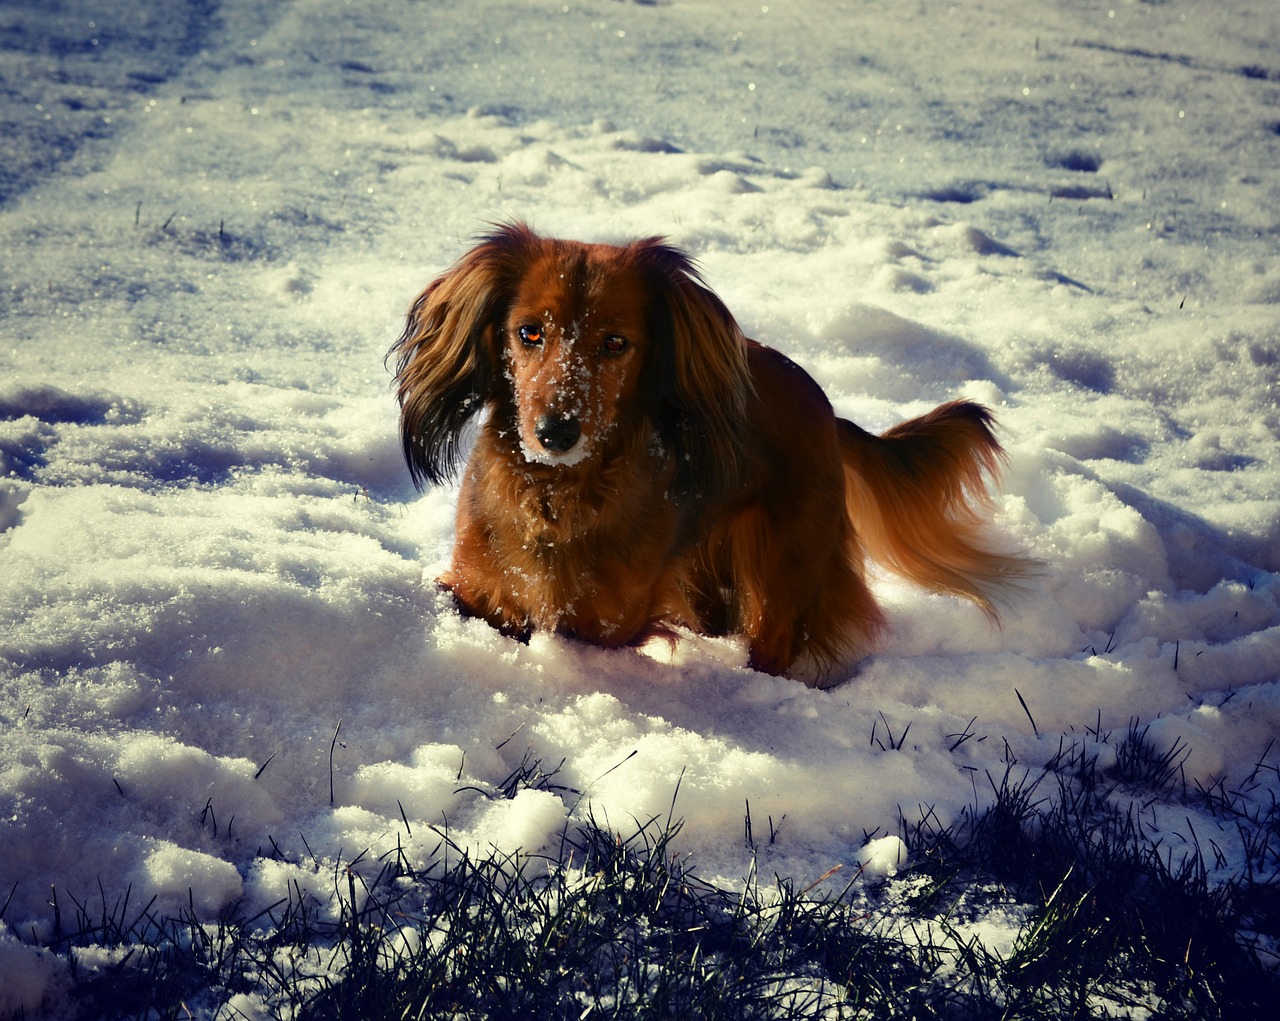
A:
<point x="223" y="665"/>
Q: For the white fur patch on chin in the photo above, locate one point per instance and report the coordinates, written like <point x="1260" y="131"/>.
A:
<point x="538" y="454"/>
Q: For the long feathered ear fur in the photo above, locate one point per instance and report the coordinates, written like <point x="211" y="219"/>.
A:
<point x="698" y="376"/>
<point x="448" y="358"/>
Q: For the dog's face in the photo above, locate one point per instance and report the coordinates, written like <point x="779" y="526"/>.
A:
<point x="574" y="343"/>
<point x="574" y="346"/>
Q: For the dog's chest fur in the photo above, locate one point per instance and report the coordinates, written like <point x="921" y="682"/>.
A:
<point x="576" y="544"/>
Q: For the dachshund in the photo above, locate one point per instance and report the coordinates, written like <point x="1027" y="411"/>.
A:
<point x="641" y="467"/>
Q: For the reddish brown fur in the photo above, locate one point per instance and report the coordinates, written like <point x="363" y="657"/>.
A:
<point x="643" y="467"/>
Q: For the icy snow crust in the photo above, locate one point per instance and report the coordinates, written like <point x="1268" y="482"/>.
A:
<point x="211" y="560"/>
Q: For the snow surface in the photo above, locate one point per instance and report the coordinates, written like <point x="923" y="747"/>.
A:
<point x="212" y="219"/>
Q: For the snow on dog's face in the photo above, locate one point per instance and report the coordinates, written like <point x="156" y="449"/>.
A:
<point x="573" y="346"/>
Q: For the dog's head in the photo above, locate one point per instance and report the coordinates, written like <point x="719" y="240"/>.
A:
<point x="575" y="336"/>
<point x="572" y="344"/>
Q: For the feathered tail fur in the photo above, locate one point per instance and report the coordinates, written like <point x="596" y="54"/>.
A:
<point x="916" y="494"/>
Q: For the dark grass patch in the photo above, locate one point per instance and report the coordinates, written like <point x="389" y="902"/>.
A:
<point x="1109" y="922"/>
<point x="1117" y="912"/>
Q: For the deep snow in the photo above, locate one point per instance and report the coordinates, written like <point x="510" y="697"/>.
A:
<point x="212" y="219"/>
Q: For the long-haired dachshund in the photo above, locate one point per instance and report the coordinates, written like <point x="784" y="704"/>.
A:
<point x="643" y="467"/>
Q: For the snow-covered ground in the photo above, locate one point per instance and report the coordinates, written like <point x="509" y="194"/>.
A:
<point x="212" y="219"/>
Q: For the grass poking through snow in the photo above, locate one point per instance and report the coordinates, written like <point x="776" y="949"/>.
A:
<point x="1049" y="899"/>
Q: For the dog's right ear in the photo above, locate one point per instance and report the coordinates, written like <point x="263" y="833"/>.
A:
<point x="448" y="360"/>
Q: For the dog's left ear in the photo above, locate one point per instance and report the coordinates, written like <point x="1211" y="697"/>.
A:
<point x="699" y="373"/>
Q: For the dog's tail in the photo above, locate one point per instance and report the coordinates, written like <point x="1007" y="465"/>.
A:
<point x="917" y="496"/>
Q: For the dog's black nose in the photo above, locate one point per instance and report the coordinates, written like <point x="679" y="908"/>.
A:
<point x="558" y="433"/>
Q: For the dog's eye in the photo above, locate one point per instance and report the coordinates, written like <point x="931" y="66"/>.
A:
<point x="531" y="335"/>
<point x="615" y="344"/>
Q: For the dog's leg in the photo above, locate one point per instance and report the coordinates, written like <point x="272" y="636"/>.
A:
<point x="801" y="599"/>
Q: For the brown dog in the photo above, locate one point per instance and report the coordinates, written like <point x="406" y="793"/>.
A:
<point x="641" y="466"/>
